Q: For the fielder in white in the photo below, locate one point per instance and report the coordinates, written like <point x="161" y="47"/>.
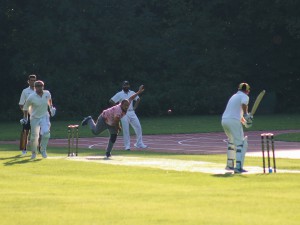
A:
<point x="235" y="115"/>
<point x="38" y="102"/>
<point x="24" y="95"/>
<point x="130" y="117"/>
<point x="27" y="91"/>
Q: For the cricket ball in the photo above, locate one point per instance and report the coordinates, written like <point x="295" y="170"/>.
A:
<point x="169" y="111"/>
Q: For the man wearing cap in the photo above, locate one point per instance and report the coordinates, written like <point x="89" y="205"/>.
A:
<point x="130" y="117"/>
<point x="235" y="115"/>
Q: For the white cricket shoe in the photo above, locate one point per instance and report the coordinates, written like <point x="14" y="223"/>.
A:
<point x="240" y="170"/>
<point x="229" y="168"/>
<point x="24" y="152"/>
<point x="33" y="156"/>
<point x="140" y="146"/>
<point x="44" y="154"/>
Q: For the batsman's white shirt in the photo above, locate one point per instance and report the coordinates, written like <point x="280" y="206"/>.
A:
<point x="24" y="95"/>
<point x="234" y="106"/>
<point x="38" y="104"/>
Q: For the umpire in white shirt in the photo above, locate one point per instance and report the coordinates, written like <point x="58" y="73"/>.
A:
<point x="130" y="117"/>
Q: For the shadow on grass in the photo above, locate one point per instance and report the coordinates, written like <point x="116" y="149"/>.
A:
<point x="225" y="175"/>
<point x="229" y="174"/>
<point x="18" y="160"/>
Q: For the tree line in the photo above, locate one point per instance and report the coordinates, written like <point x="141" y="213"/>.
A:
<point x="189" y="54"/>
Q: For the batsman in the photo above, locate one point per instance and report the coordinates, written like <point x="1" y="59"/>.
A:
<point x="235" y="115"/>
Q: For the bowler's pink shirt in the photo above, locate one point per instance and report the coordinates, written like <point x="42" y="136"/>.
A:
<point x="110" y="113"/>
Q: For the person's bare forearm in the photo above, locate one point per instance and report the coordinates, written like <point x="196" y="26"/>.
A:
<point x="50" y="103"/>
<point x="141" y="89"/>
<point x="245" y="108"/>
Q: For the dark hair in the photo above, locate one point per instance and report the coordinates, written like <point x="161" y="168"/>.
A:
<point x="124" y="100"/>
<point x="31" y="76"/>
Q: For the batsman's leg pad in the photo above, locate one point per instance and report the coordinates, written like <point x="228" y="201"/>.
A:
<point x="244" y="150"/>
<point x="239" y="156"/>
<point x="44" y="141"/>
<point x="230" y="155"/>
<point x="241" y="152"/>
<point x="34" y="141"/>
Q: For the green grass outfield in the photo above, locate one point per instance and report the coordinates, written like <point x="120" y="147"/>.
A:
<point x="60" y="191"/>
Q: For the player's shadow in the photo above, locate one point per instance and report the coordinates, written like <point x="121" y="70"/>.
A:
<point x="14" y="160"/>
<point x="227" y="175"/>
<point x="224" y="175"/>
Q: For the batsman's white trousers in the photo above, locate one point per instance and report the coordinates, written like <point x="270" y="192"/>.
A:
<point x="39" y="126"/>
<point x="132" y="119"/>
<point x="234" y="131"/>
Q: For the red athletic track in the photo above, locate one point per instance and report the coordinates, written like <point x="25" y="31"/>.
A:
<point x="200" y="143"/>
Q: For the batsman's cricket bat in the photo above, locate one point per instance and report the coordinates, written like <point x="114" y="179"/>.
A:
<point x="23" y="139"/>
<point x="257" y="102"/>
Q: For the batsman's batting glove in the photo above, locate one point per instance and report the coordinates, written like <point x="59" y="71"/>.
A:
<point x="249" y="120"/>
<point x="23" y="121"/>
<point x="52" y="111"/>
<point x="248" y="117"/>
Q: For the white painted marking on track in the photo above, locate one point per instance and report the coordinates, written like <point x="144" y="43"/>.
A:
<point x="215" y="141"/>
